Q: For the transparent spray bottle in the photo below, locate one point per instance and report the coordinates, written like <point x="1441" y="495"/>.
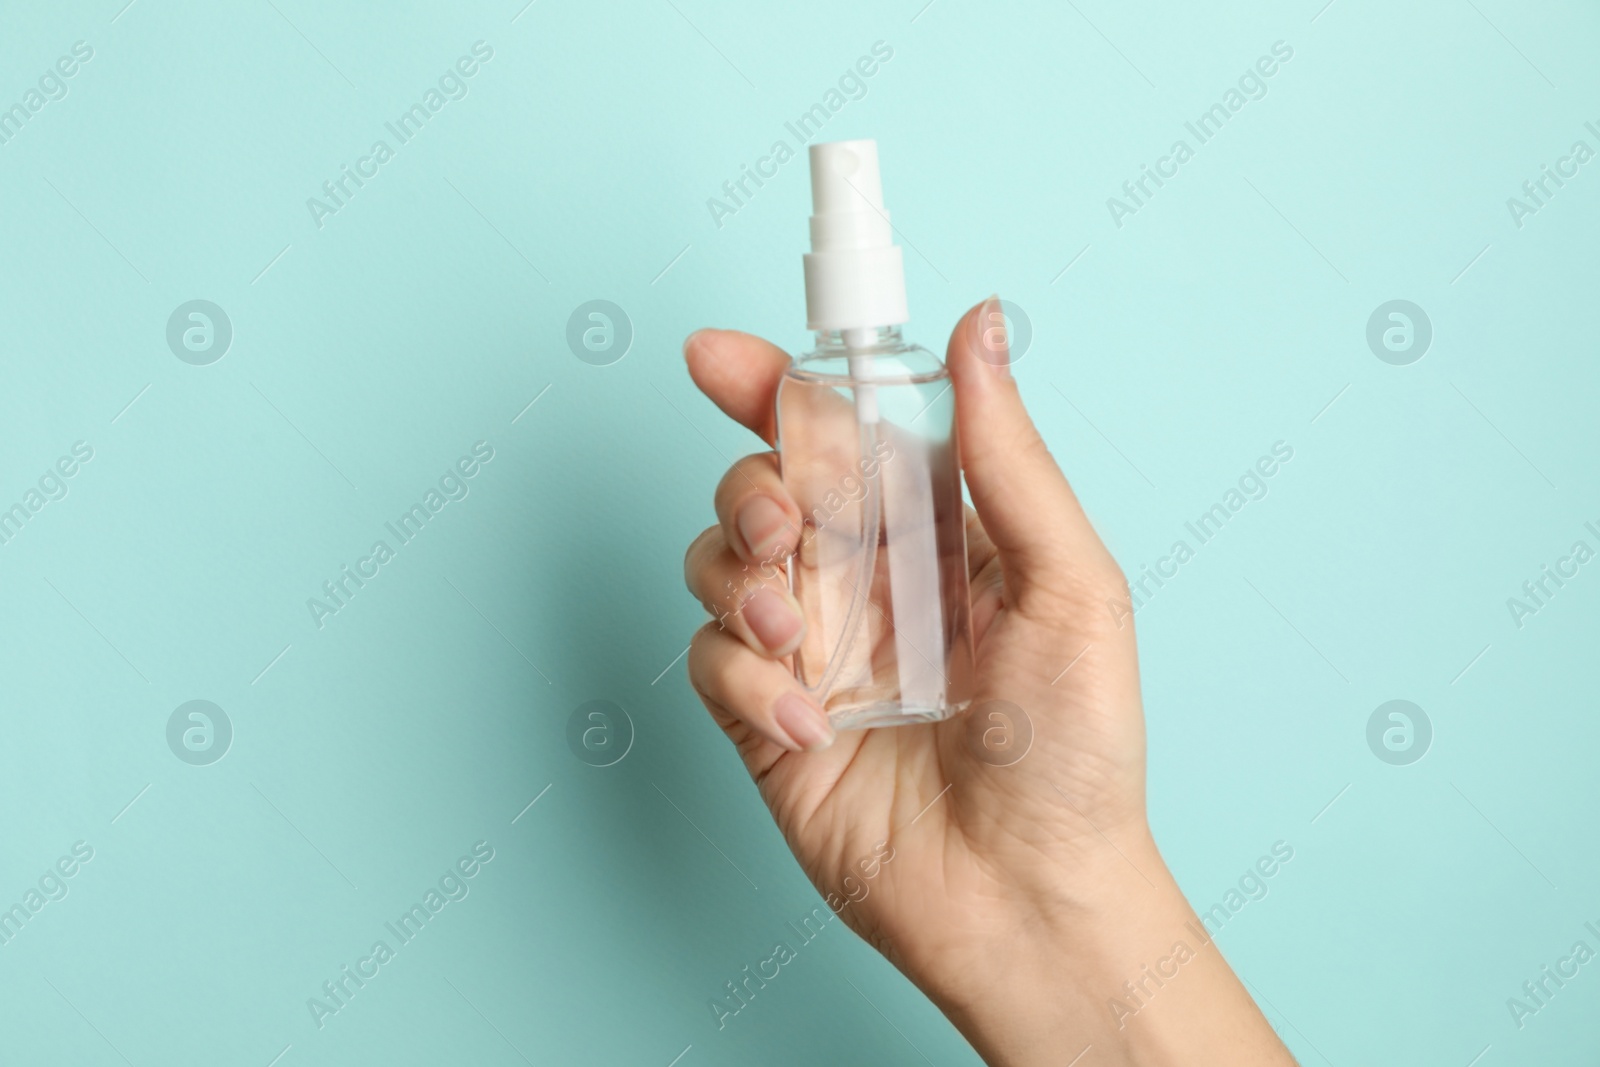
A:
<point x="867" y="449"/>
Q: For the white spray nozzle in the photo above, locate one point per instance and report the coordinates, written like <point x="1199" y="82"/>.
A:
<point x="845" y="179"/>
<point x="855" y="278"/>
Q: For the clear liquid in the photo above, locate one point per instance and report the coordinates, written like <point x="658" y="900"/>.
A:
<point x="868" y="451"/>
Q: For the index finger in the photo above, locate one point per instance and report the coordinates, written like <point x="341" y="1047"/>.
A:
<point x="740" y="373"/>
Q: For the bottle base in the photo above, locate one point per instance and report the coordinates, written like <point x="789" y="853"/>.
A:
<point x="891" y="713"/>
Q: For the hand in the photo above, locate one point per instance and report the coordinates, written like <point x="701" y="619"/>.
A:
<point x="1020" y="897"/>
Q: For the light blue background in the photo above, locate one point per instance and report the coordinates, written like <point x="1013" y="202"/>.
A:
<point x="370" y="353"/>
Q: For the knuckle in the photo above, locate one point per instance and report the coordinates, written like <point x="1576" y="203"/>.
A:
<point x="1079" y="595"/>
<point x="697" y="557"/>
<point x="702" y="653"/>
<point x="1031" y="445"/>
<point x="746" y="473"/>
<point x="1108" y="578"/>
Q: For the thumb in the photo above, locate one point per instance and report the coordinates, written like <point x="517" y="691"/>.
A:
<point x="1028" y="510"/>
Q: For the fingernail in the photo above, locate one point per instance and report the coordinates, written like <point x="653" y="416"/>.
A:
<point x="803" y="722"/>
<point x="687" y="341"/>
<point x="774" y="619"/>
<point x="995" y="341"/>
<point x="761" y="522"/>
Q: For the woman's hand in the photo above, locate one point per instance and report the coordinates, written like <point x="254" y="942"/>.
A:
<point x="1020" y="896"/>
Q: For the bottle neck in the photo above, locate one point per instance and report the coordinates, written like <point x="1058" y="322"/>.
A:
<point x="865" y="338"/>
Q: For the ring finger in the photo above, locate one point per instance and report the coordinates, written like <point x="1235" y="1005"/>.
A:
<point x="751" y="600"/>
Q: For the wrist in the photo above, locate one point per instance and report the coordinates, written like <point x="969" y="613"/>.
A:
<point x="1036" y="986"/>
<point x="1116" y="961"/>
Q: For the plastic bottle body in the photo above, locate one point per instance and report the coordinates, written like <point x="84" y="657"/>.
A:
<point x="868" y="451"/>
